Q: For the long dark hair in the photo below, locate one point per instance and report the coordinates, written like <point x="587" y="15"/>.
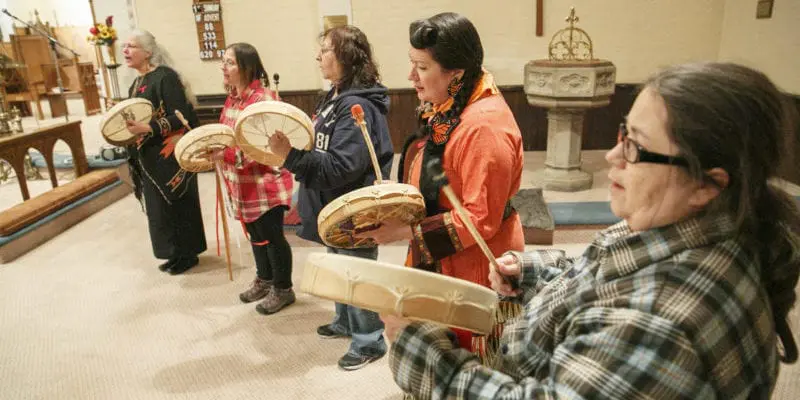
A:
<point x="732" y="117"/>
<point x="354" y="54"/>
<point x="249" y="62"/>
<point x="454" y="43"/>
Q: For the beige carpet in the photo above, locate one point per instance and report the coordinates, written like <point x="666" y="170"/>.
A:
<point x="88" y="316"/>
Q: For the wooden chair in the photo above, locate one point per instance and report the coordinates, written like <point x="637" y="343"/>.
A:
<point x="38" y="77"/>
<point x="30" y="52"/>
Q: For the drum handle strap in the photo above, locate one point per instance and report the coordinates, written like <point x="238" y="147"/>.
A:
<point x="219" y="199"/>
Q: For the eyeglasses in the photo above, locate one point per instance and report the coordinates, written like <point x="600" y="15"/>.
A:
<point x="633" y="152"/>
<point x="229" y="63"/>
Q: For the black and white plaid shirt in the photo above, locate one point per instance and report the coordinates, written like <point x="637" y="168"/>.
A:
<point x="673" y="312"/>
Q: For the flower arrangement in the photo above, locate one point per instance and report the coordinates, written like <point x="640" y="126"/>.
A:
<point x="103" y="34"/>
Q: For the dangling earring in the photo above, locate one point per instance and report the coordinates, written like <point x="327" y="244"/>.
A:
<point x="455" y="85"/>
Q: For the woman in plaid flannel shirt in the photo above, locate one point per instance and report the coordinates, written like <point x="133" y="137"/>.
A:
<point x="687" y="297"/>
<point x="259" y="194"/>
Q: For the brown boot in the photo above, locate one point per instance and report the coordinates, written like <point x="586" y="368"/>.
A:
<point x="276" y="300"/>
<point x="259" y="289"/>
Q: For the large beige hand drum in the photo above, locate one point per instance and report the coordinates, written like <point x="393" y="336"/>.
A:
<point x="365" y="209"/>
<point x="113" y="127"/>
<point x="260" y="120"/>
<point x="193" y="148"/>
<point x="391" y="289"/>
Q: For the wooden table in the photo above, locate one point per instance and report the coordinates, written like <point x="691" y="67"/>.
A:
<point x="14" y="148"/>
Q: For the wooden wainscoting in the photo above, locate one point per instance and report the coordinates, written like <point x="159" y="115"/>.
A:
<point x="599" y="129"/>
<point x="210" y="106"/>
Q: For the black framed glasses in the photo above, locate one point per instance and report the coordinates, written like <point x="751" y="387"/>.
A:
<point x="634" y="153"/>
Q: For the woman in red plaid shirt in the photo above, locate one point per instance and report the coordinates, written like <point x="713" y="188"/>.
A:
<point x="259" y="194"/>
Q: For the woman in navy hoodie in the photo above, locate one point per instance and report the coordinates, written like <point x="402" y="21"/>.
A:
<point x="339" y="163"/>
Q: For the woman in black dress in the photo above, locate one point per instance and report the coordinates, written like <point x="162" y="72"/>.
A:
<point x="171" y="198"/>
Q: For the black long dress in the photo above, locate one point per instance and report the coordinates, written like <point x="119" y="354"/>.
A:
<point x="171" y="196"/>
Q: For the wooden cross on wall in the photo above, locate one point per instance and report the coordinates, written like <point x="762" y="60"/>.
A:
<point x="539" y="17"/>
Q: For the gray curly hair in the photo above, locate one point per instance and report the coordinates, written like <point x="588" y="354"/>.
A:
<point x="160" y="56"/>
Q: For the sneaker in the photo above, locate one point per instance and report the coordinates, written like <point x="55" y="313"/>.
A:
<point x="327" y="332"/>
<point x="183" y="264"/>
<point x="349" y="362"/>
<point x="276" y="300"/>
<point x="259" y="289"/>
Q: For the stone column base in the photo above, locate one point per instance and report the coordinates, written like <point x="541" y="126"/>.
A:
<point x="562" y="180"/>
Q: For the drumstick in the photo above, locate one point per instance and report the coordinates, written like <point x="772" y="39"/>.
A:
<point x="182" y="119"/>
<point x="220" y="201"/>
<point x="358" y="115"/>
<point x="435" y="168"/>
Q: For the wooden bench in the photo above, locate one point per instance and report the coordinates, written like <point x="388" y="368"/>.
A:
<point x="45" y="216"/>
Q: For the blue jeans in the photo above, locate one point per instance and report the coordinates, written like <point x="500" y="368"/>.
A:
<point x="364" y="326"/>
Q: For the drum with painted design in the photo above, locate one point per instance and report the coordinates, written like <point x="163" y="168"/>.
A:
<point x="365" y="209"/>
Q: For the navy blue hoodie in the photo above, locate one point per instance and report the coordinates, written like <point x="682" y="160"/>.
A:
<point x="339" y="161"/>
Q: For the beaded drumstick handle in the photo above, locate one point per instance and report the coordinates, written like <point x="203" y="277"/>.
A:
<point x="435" y="169"/>
<point x="358" y="115"/>
<point x="220" y="204"/>
<point x="276" y="78"/>
<point x="183" y="120"/>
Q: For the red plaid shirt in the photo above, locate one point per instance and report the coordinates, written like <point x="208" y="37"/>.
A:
<point x="254" y="188"/>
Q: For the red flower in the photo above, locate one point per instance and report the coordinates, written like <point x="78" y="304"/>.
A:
<point x="93" y="30"/>
<point x="109" y="20"/>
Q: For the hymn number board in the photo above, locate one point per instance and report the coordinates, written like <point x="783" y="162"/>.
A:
<point x="210" y="33"/>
